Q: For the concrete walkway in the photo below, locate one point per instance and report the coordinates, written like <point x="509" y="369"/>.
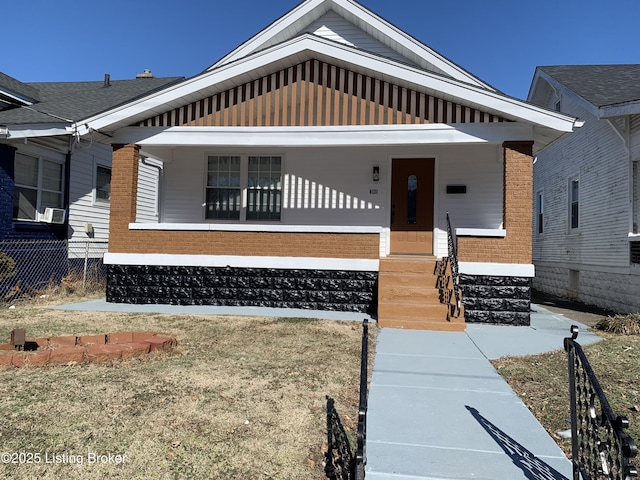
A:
<point x="439" y="410"/>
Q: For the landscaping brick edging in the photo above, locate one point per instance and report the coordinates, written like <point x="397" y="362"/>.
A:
<point x="87" y="348"/>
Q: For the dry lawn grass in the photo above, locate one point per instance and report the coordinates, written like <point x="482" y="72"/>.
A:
<point x="239" y="398"/>
<point x="542" y="382"/>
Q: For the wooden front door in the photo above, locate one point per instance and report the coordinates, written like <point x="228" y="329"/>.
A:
<point x="412" y="206"/>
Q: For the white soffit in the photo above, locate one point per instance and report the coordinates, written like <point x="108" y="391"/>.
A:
<point x="309" y="46"/>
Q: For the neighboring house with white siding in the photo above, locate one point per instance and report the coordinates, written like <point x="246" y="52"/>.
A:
<point x="55" y="185"/>
<point x="586" y="234"/>
<point x="313" y="167"/>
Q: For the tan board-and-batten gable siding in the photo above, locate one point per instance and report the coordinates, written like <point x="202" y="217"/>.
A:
<point x="315" y="93"/>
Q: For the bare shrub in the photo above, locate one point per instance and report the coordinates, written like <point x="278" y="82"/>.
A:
<point x="621" y="324"/>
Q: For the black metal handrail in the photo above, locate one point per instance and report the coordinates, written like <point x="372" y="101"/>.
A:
<point x="600" y="447"/>
<point x="453" y="261"/>
<point x="361" y="452"/>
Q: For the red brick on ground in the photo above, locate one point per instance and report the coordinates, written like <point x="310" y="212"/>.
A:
<point x="121" y="337"/>
<point x="37" y="359"/>
<point x="92" y="340"/>
<point x="102" y="353"/>
<point x="136" y="349"/>
<point x="6" y="358"/>
<point x="64" y="341"/>
<point x="142" y="336"/>
<point x="68" y="355"/>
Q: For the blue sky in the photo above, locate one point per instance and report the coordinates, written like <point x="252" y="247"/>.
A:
<point x="500" y="41"/>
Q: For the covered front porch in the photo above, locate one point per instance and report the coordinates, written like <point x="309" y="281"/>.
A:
<point x="329" y="215"/>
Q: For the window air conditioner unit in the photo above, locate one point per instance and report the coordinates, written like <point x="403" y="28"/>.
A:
<point x="53" y="215"/>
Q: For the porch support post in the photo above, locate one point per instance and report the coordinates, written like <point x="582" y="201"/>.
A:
<point x="515" y="247"/>
<point x="124" y="188"/>
<point x="518" y="199"/>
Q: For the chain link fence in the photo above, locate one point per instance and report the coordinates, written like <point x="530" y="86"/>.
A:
<point x="35" y="267"/>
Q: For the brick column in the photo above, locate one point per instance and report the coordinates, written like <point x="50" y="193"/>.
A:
<point x="517" y="213"/>
<point x="124" y="188"/>
<point x="518" y="199"/>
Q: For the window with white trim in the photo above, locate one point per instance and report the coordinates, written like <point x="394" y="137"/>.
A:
<point x="574" y="203"/>
<point x="38" y="185"/>
<point x="103" y="184"/>
<point x="540" y="212"/>
<point x="243" y="188"/>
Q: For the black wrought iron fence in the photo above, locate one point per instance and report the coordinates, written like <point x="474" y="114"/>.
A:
<point x="341" y="461"/>
<point x="453" y="259"/>
<point x="361" y="451"/>
<point x="30" y="267"/>
<point x="601" y="449"/>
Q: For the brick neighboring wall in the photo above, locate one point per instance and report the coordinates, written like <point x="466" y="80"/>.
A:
<point x="515" y="247"/>
<point x="122" y="240"/>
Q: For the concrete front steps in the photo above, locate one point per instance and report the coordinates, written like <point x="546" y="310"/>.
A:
<point x="409" y="297"/>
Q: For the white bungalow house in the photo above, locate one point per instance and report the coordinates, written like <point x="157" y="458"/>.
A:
<point x="313" y="167"/>
<point x="586" y="235"/>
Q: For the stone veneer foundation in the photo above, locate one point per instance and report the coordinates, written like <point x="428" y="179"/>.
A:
<point x="337" y="290"/>
<point x="496" y="300"/>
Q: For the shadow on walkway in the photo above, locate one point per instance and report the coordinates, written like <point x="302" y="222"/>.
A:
<point x="532" y="466"/>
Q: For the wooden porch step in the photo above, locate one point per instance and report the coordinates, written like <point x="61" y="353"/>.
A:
<point x="409" y="297"/>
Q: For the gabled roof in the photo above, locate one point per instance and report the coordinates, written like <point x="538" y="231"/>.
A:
<point x="303" y="19"/>
<point x="56" y="102"/>
<point x="608" y="89"/>
<point x="284" y="44"/>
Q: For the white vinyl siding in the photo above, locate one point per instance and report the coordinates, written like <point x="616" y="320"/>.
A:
<point x="335" y="187"/>
<point x="596" y="155"/>
<point x="83" y="206"/>
<point x="148" y="191"/>
<point x="334" y="27"/>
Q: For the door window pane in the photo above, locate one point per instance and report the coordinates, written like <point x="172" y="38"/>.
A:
<point x="412" y="203"/>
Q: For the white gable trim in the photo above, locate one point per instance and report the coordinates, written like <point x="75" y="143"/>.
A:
<point x="293" y="22"/>
<point x="300" y="49"/>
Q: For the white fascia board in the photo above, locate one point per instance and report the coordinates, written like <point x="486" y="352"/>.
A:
<point x="287" y="263"/>
<point x="422" y="134"/>
<point x="449" y="89"/>
<point x="30" y="131"/>
<point x="564" y="90"/>
<point x="269" y="32"/>
<point x="619" y="110"/>
<point x="481" y="232"/>
<point x="16" y="97"/>
<point x="497" y="269"/>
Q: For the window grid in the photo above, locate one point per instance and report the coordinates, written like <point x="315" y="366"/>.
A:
<point x="223" y="188"/>
<point x="38" y="185"/>
<point x="574" y="203"/>
<point x="264" y="188"/>
<point x="103" y="184"/>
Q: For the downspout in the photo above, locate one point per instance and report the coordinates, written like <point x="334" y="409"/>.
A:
<point x="160" y="181"/>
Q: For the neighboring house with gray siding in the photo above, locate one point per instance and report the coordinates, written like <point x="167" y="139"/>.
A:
<point x="586" y="228"/>
<point x="54" y="185"/>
